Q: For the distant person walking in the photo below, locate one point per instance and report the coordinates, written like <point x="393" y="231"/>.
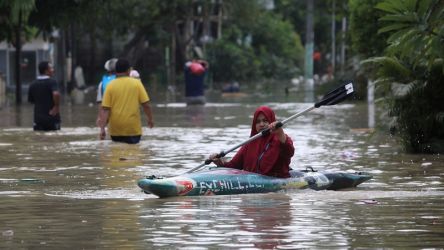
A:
<point x="110" y="67"/>
<point x="45" y="96"/>
<point x="195" y="72"/>
<point x="121" y="106"/>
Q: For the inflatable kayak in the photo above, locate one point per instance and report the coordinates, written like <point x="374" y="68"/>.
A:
<point x="227" y="181"/>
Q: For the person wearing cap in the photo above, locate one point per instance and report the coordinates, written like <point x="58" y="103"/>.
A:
<point x="44" y="94"/>
<point x="134" y="73"/>
<point x="195" y="72"/>
<point x="110" y="67"/>
<point x="121" y="106"/>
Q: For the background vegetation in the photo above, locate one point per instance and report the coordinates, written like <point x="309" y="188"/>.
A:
<point x="396" y="43"/>
<point x="409" y="69"/>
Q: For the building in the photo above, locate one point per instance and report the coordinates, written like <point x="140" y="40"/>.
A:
<point x="33" y="52"/>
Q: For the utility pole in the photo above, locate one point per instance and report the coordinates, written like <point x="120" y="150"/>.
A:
<point x="309" y="40"/>
<point x="333" y="37"/>
<point x="172" y="63"/>
<point x="219" y="19"/>
<point x="344" y="30"/>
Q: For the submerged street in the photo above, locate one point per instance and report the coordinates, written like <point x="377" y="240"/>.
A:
<point x="67" y="188"/>
<point x="355" y="84"/>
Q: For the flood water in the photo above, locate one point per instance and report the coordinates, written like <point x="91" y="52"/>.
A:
<point x="69" y="190"/>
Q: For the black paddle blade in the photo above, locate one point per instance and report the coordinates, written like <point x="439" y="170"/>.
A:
<point x="336" y="96"/>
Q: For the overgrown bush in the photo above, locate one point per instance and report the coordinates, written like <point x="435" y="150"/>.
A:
<point x="412" y="72"/>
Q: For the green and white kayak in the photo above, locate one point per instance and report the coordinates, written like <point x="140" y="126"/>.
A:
<point x="227" y="181"/>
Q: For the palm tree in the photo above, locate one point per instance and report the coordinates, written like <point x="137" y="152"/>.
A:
<point x="413" y="70"/>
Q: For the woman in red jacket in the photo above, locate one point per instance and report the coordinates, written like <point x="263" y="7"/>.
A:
<point x="268" y="155"/>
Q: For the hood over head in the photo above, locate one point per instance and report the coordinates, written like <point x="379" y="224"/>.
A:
<point x="268" y="113"/>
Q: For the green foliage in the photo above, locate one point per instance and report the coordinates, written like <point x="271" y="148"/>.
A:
<point x="390" y="67"/>
<point x="412" y="71"/>
<point x="52" y="14"/>
<point x="229" y="61"/>
<point x="256" y="43"/>
<point x="295" y="13"/>
<point x="14" y="16"/>
<point x="278" y="46"/>
<point x="266" y="48"/>
<point x="18" y="10"/>
<point x="419" y="115"/>
<point x="111" y="18"/>
<point x="364" y="26"/>
<point x="365" y="40"/>
<point x="417" y="30"/>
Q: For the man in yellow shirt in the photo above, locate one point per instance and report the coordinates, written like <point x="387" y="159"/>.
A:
<point x="121" y="105"/>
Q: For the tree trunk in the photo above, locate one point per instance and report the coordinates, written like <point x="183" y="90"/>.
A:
<point x="206" y="27"/>
<point x="18" y="52"/>
<point x="219" y="20"/>
<point x="343" y="45"/>
<point x="333" y="37"/>
<point x="60" y="61"/>
<point x="132" y="49"/>
<point x="92" y="56"/>
<point x="173" y="56"/>
<point x="309" y="40"/>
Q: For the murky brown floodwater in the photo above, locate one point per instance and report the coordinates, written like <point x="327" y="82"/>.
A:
<point x="68" y="190"/>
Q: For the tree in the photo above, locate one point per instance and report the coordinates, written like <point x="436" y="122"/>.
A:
<point x="417" y="30"/>
<point x="413" y="71"/>
<point x="145" y="31"/>
<point x="15" y="30"/>
<point x="366" y="41"/>
<point x="256" y="44"/>
<point x="324" y="41"/>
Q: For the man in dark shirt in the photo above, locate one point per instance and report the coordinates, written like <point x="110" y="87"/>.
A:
<point x="44" y="93"/>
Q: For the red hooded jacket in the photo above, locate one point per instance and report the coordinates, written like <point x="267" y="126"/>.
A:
<point x="265" y="155"/>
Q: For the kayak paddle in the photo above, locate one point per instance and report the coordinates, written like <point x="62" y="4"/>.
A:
<point x="331" y="98"/>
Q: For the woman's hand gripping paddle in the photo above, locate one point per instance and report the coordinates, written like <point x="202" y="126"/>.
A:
<point x="333" y="97"/>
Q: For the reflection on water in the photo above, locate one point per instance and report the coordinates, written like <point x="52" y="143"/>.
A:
<point x="67" y="188"/>
<point x="232" y="221"/>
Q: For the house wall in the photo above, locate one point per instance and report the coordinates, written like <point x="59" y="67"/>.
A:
<point x="33" y="52"/>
